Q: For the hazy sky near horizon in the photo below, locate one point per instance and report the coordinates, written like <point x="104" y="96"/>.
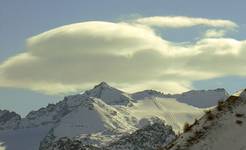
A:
<point x="172" y="46"/>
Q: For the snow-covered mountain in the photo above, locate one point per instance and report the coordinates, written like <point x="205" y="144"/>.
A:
<point x="220" y="128"/>
<point x="96" y="117"/>
<point x="197" y="98"/>
<point x="203" y="98"/>
<point x="93" y="122"/>
<point x="105" y="123"/>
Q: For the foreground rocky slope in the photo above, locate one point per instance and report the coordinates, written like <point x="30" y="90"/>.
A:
<point x="221" y="128"/>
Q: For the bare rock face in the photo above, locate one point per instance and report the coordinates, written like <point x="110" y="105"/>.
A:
<point x="150" y="137"/>
<point x="69" y="144"/>
<point x="9" y="120"/>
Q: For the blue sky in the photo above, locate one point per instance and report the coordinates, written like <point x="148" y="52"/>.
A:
<point x="20" y="20"/>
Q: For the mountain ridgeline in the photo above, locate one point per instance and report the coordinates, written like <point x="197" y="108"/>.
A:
<point x="106" y="118"/>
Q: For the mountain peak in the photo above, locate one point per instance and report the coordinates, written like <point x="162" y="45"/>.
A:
<point x="108" y="94"/>
<point x="100" y="88"/>
<point x="103" y="84"/>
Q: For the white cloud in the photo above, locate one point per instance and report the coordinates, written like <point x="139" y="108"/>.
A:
<point x="117" y="38"/>
<point x="213" y="33"/>
<point x="128" y="55"/>
<point x="184" y="22"/>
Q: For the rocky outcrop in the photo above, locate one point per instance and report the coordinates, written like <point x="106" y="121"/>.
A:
<point x="9" y="120"/>
<point x="222" y="127"/>
<point x="150" y="137"/>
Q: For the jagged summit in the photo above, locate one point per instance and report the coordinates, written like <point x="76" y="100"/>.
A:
<point x="109" y="94"/>
<point x="103" y="84"/>
<point x="101" y="87"/>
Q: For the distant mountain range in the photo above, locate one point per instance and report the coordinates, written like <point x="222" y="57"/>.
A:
<point x="107" y="118"/>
